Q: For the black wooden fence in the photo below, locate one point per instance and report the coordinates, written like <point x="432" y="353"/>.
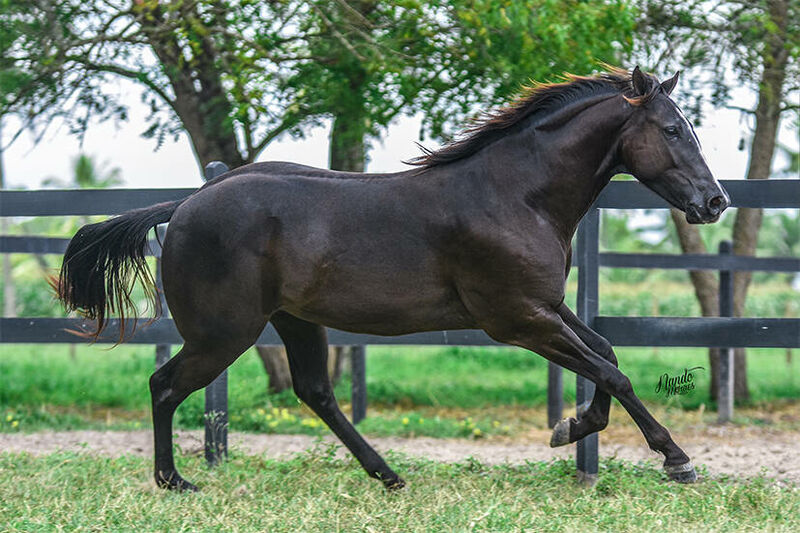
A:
<point x="722" y="332"/>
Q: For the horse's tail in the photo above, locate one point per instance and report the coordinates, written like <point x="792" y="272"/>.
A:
<point x="102" y="263"/>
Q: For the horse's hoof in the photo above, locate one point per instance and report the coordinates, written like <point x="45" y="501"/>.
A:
<point x="394" y="484"/>
<point x="560" y="435"/>
<point x="175" y="482"/>
<point x="684" y="473"/>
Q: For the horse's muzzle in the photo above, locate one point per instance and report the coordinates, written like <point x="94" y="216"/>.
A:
<point x="709" y="210"/>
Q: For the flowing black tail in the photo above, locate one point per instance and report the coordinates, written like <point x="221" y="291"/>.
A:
<point x="103" y="262"/>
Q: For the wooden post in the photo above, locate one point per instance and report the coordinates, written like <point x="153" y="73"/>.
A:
<point x="216" y="411"/>
<point x="216" y="419"/>
<point x="555" y="394"/>
<point x="358" y="387"/>
<point x="588" y="263"/>
<point x="725" y="364"/>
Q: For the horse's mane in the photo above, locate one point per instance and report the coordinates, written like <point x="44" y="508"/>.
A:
<point x="542" y="99"/>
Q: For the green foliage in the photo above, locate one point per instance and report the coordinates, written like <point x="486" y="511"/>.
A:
<point x="237" y="74"/>
<point x="314" y="491"/>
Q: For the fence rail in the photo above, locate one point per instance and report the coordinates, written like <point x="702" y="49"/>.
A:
<point x="724" y="332"/>
<point x="31" y="244"/>
<point x="716" y="332"/>
<point x="617" y="195"/>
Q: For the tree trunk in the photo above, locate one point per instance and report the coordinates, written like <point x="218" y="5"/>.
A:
<point x="347" y="149"/>
<point x="768" y="113"/>
<point x="276" y="364"/>
<point x="748" y="221"/>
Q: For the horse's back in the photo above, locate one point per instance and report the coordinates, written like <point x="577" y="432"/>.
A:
<point x="284" y="169"/>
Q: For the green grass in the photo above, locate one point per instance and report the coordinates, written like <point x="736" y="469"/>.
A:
<point x="412" y="390"/>
<point x="316" y="492"/>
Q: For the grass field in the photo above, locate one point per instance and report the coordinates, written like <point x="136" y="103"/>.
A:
<point x="434" y="391"/>
<point x="316" y="492"/>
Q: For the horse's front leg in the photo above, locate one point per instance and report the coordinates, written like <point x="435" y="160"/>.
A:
<point x="546" y="333"/>
<point x="592" y="416"/>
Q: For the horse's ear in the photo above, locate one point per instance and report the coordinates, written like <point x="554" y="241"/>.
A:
<point x="640" y="84"/>
<point x="670" y="84"/>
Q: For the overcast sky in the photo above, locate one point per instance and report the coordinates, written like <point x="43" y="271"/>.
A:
<point x="173" y="165"/>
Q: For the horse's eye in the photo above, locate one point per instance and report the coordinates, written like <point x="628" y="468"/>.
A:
<point x="671" y="131"/>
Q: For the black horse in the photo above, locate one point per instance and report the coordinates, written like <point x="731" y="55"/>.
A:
<point x="477" y="235"/>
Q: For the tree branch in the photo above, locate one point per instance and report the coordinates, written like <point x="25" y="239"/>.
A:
<point x="742" y="109"/>
<point x="126" y="73"/>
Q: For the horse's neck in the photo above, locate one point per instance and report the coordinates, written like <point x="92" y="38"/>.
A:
<point x="562" y="169"/>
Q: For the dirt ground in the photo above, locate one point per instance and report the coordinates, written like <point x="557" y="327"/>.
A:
<point x="725" y="450"/>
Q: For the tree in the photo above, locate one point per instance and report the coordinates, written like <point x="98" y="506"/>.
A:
<point x="237" y="74"/>
<point x="759" y="41"/>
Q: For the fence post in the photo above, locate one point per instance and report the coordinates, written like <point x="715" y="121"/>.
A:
<point x="216" y="412"/>
<point x="163" y="351"/>
<point x="358" y="387"/>
<point x="725" y="362"/>
<point x="555" y="394"/>
<point x="588" y="263"/>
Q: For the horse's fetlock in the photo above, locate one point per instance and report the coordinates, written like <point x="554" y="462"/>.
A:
<point x="596" y="420"/>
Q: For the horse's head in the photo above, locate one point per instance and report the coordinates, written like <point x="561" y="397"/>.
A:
<point x="659" y="147"/>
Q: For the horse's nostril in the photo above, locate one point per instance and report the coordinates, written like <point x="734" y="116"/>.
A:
<point x="715" y="204"/>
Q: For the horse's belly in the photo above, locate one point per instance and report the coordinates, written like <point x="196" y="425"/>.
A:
<point x="392" y="306"/>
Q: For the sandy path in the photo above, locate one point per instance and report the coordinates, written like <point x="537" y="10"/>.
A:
<point x="740" y="451"/>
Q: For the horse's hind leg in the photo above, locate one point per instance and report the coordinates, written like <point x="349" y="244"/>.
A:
<point x="591" y="417"/>
<point x="307" y="349"/>
<point x="218" y="324"/>
<point x="194" y="367"/>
